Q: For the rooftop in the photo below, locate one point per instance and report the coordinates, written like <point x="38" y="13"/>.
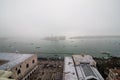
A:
<point x="117" y="71"/>
<point x="9" y="60"/>
<point x="83" y="59"/>
<point x="87" y="70"/>
<point x="81" y="71"/>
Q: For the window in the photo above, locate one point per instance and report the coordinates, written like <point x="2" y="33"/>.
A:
<point x="10" y="77"/>
<point x="42" y="73"/>
<point x="19" y="71"/>
<point x="33" y="61"/>
<point x="27" y="65"/>
<point x="16" y="69"/>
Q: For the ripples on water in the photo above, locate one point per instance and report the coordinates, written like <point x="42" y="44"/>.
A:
<point x="93" y="46"/>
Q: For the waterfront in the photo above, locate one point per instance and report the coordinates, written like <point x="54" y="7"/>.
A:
<point x="92" y="46"/>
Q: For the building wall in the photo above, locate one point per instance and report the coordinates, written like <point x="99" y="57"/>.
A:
<point x="111" y="75"/>
<point x="24" y="68"/>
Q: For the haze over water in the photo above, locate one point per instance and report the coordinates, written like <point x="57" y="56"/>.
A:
<point x="92" y="46"/>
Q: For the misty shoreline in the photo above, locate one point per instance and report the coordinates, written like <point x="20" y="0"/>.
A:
<point x="81" y="37"/>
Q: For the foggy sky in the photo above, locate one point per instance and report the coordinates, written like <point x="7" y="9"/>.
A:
<point x="59" y="17"/>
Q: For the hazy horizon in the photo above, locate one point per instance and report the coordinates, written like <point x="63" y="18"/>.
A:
<point x="39" y="18"/>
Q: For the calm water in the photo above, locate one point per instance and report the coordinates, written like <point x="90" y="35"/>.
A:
<point x="67" y="47"/>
